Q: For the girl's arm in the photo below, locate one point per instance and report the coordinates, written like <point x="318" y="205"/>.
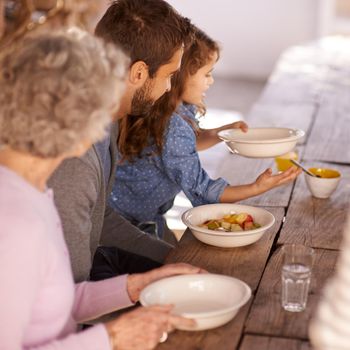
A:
<point x="208" y="138"/>
<point x="181" y="164"/>
<point x="265" y="182"/>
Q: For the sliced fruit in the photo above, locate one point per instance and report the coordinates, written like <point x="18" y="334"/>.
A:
<point x="236" y="227"/>
<point x="249" y="218"/>
<point x="248" y="225"/>
<point x="226" y="225"/>
<point x="240" y="218"/>
<point x="213" y="225"/>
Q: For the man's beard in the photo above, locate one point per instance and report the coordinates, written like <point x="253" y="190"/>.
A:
<point x="142" y="102"/>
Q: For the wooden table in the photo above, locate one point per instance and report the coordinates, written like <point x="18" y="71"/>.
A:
<point x="309" y="89"/>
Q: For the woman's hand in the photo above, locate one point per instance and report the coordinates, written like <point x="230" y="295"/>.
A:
<point x="138" y="281"/>
<point x="142" y="328"/>
<point x="267" y="181"/>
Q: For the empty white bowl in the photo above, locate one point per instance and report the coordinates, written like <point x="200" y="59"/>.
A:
<point x="212" y="300"/>
<point x="198" y="215"/>
<point x="261" y="142"/>
<point x="324" y="186"/>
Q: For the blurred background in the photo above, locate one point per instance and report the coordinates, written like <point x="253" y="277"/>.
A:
<point x="253" y="33"/>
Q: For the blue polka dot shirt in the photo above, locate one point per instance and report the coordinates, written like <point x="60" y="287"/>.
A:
<point x="145" y="188"/>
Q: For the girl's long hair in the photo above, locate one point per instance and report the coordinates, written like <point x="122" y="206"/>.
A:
<point x="136" y="133"/>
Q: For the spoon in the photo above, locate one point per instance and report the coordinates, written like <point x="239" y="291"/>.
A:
<point x="304" y="169"/>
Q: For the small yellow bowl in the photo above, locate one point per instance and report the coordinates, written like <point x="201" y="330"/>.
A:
<point x="325" y="173"/>
<point x="325" y="185"/>
<point x="283" y="162"/>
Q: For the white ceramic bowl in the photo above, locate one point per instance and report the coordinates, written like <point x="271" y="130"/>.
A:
<point x="196" y="216"/>
<point x="261" y="142"/>
<point x="212" y="300"/>
<point x="322" y="187"/>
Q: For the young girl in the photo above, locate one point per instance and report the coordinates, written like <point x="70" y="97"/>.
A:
<point x="159" y="151"/>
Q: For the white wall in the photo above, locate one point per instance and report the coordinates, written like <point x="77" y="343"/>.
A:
<point x="253" y="33"/>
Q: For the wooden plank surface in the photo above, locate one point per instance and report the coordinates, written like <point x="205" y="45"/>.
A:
<point x="251" y="342"/>
<point x="267" y="317"/>
<point x="317" y="222"/>
<point x="238" y="170"/>
<point x="298" y="116"/>
<point x="305" y="73"/>
<point x="329" y="137"/>
<point x="288" y="88"/>
<point x="246" y="263"/>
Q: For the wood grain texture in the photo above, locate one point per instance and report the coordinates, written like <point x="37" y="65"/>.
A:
<point x="267" y="315"/>
<point x="251" y="342"/>
<point x="329" y="137"/>
<point x="317" y="222"/>
<point x="246" y="263"/>
<point x="289" y="89"/>
<point x="308" y="73"/>
<point x="298" y="116"/>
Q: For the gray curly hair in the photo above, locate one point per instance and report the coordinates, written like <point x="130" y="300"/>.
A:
<point x="56" y="90"/>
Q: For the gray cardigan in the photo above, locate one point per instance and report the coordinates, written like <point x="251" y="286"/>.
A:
<point x="81" y="198"/>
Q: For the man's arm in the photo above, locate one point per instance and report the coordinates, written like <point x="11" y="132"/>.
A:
<point x="75" y="184"/>
<point x="119" y="232"/>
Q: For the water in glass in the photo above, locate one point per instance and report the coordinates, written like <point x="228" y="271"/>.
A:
<point x="295" y="286"/>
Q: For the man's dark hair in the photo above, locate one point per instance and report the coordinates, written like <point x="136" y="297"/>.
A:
<point x="147" y="30"/>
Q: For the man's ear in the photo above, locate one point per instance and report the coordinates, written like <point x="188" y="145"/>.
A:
<point x="138" y="73"/>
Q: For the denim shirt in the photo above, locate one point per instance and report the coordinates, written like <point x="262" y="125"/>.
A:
<point x="145" y="188"/>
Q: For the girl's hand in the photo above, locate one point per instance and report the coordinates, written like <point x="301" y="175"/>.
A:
<point x="267" y="181"/>
<point x="237" y="125"/>
<point x="240" y="125"/>
<point x="138" y="281"/>
<point x="142" y="328"/>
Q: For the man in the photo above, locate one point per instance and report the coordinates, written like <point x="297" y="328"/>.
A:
<point x="153" y="34"/>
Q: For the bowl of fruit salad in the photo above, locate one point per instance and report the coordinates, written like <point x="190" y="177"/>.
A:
<point x="228" y="225"/>
<point x="261" y="142"/>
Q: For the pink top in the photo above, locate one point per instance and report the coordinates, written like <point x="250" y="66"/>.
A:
<point x="39" y="304"/>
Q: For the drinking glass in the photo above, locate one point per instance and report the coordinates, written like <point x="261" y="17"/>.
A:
<point x="296" y="276"/>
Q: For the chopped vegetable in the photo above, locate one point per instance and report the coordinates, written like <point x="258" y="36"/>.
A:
<point x="232" y="223"/>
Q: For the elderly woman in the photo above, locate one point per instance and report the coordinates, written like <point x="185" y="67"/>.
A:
<point x="57" y="92"/>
